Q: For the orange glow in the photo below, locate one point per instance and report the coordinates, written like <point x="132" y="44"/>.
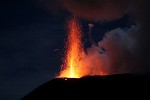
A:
<point x="77" y="63"/>
<point x="73" y="49"/>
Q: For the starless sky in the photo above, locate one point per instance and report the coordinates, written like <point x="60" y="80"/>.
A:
<point x="32" y="41"/>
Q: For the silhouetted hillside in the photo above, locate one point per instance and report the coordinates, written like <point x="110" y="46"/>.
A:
<point x="89" y="86"/>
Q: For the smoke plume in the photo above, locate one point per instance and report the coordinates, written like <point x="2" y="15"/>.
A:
<point x="125" y="50"/>
<point x="118" y="56"/>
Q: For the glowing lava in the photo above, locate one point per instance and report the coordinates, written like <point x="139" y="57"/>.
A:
<point x="78" y="63"/>
<point x="74" y="48"/>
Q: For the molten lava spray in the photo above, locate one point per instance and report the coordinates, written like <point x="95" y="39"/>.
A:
<point x="74" y="48"/>
<point x="78" y="63"/>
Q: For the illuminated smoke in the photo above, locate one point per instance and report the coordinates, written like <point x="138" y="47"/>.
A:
<point x="119" y="48"/>
<point x="97" y="9"/>
<point x="126" y="50"/>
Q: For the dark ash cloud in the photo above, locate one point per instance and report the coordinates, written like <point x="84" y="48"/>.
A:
<point x="97" y="9"/>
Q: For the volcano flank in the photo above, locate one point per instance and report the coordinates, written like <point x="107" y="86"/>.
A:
<point x="88" y="86"/>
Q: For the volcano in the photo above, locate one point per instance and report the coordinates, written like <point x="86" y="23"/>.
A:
<point x="89" y="86"/>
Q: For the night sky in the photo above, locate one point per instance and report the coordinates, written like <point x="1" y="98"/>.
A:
<point x="32" y="43"/>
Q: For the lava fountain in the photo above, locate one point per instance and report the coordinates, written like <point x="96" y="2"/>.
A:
<point x="78" y="63"/>
<point x="74" y="48"/>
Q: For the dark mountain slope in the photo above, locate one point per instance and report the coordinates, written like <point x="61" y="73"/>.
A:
<point x="90" y="86"/>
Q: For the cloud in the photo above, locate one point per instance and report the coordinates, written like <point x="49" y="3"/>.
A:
<point x="119" y="48"/>
<point x="97" y="9"/>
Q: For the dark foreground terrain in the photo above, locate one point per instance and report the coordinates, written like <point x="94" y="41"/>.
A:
<point x="112" y="86"/>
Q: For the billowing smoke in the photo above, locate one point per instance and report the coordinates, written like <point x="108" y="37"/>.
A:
<point x="113" y="55"/>
<point x="123" y="50"/>
<point x="119" y="45"/>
